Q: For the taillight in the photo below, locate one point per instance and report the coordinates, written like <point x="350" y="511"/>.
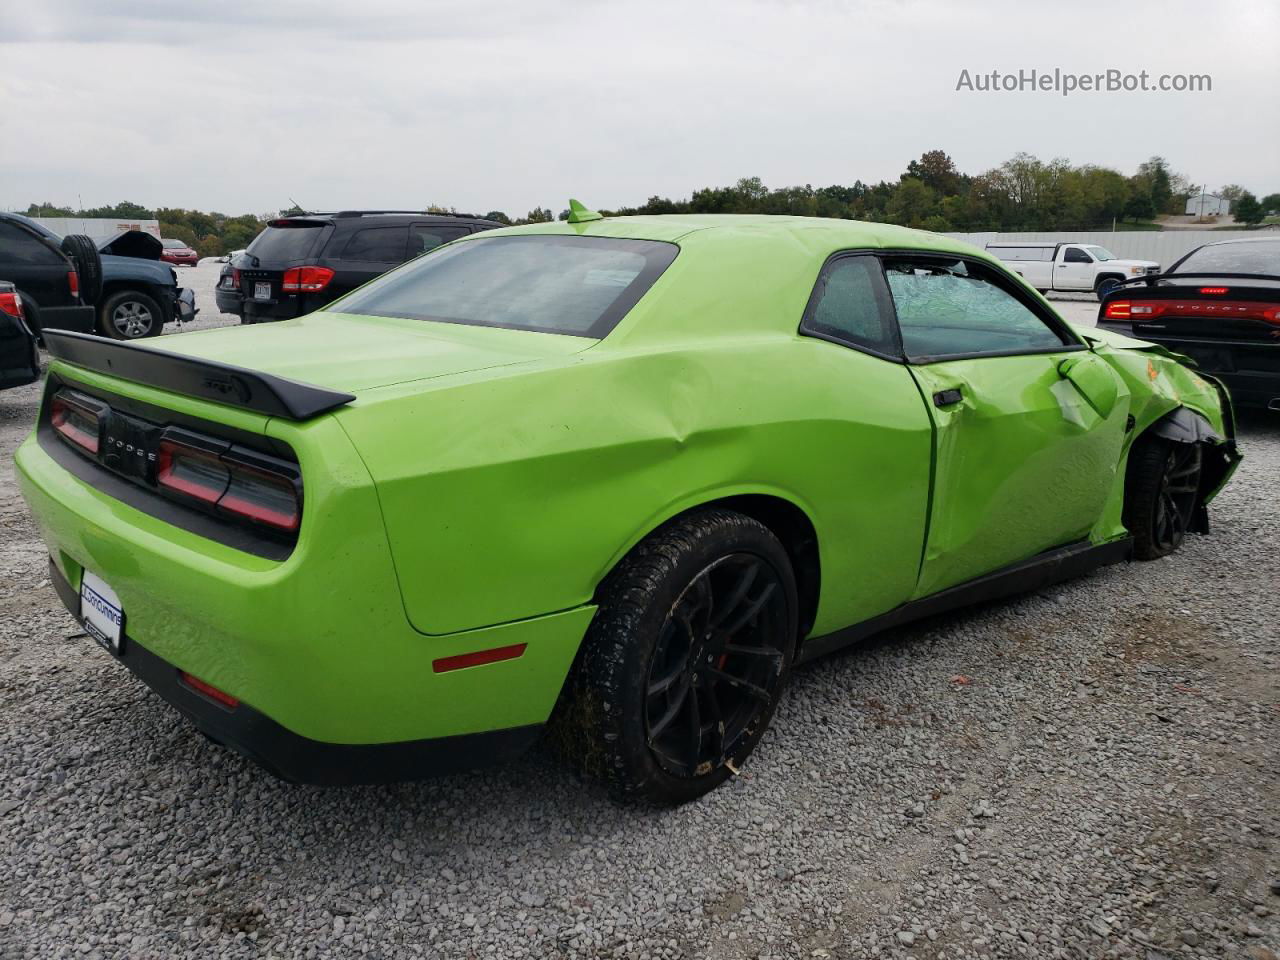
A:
<point x="77" y="420"/>
<point x="11" y="304"/>
<point x="235" y="278"/>
<point x="1117" y="310"/>
<point x="239" y="483"/>
<point x="209" y="690"/>
<point x="73" y="281"/>
<point x="306" y="279"/>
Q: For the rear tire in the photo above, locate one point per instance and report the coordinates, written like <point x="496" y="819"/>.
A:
<point x="1162" y="491"/>
<point x="84" y="255"/>
<point x="683" y="665"/>
<point x="130" y="315"/>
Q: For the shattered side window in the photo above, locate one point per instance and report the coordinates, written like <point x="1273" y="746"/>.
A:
<point x="944" y="310"/>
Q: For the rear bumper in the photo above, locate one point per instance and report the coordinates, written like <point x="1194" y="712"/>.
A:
<point x="316" y="647"/>
<point x="299" y="759"/>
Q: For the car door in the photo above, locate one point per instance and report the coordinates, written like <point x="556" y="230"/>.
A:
<point x="369" y="252"/>
<point x="875" y="453"/>
<point x="1074" y="270"/>
<point x="38" y="271"/>
<point x="424" y="237"/>
<point x="1028" y="423"/>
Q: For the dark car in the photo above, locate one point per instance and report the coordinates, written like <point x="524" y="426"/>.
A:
<point x="45" y="276"/>
<point x="140" y="292"/>
<point x="19" y="357"/>
<point x="302" y="263"/>
<point x="178" y="253"/>
<point x="1219" y="305"/>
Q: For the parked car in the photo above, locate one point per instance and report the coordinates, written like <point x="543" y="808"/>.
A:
<point x="1218" y="305"/>
<point x="19" y="355"/>
<point x="615" y="474"/>
<point x="140" y="292"/>
<point x="178" y="253"/>
<point x="1070" y="266"/>
<point x="44" y="274"/>
<point x="301" y="263"/>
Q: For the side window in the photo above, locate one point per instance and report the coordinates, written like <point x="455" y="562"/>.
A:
<point x="382" y="244"/>
<point x="428" y="236"/>
<point x="948" y="308"/>
<point x="848" y="305"/>
<point x="18" y="246"/>
<point x="1076" y="255"/>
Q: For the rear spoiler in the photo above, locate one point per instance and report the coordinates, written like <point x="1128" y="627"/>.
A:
<point x="1152" y="279"/>
<point x="207" y="379"/>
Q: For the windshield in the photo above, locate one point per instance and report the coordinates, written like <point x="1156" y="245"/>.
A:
<point x="1100" y="253"/>
<point x="1247" y="256"/>
<point x="581" y="286"/>
<point x="173" y="244"/>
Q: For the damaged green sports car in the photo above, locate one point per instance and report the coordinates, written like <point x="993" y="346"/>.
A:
<point x="614" y="476"/>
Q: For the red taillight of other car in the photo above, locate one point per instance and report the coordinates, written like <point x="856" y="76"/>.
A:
<point x="306" y="279"/>
<point x="1140" y="311"/>
<point x="77" y="420"/>
<point x="11" y="304"/>
<point x="73" y="282"/>
<point x="229" y="482"/>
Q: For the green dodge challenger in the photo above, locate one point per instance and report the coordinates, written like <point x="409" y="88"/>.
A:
<point x="608" y="477"/>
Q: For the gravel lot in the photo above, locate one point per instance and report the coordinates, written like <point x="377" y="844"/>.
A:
<point x="1090" y="771"/>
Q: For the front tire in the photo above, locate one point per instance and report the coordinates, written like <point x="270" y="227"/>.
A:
<point x="130" y="315"/>
<point x="683" y="665"/>
<point x="1105" y="286"/>
<point x="1162" y="492"/>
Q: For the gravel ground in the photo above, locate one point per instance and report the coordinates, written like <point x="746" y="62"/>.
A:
<point x="1089" y="771"/>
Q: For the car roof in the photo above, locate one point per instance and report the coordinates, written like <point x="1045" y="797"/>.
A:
<point x="359" y="215"/>
<point x="1219" y="243"/>
<point x="810" y="232"/>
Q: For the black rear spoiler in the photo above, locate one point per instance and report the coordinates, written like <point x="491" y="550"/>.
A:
<point x="207" y="379"/>
<point x="1151" y="279"/>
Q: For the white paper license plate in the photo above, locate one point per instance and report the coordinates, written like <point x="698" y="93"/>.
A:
<point x="100" y="611"/>
<point x="262" y="291"/>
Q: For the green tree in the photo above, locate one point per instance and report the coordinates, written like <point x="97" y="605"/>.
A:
<point x="937" y="171"/>
<point x="499" y="216"/>
<point x="1248" y="209"/>
<point x="539" y="215"/>
<point x="912" y="203"/>
<point x="1270" y="203"/>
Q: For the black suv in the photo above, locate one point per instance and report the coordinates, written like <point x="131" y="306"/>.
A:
<point x="302" y="263"/>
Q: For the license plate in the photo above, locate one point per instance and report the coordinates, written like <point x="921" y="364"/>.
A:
<point x="262" y="291"/>
<point x="100" y="612"/>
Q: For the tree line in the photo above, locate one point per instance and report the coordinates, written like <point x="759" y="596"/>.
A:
<point x="1023" y="193"/>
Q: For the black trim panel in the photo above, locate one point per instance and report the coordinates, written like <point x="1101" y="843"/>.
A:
<point x="298" y="759"/>
<point x="1041" y="570"/>
<point x="207" y="379"/>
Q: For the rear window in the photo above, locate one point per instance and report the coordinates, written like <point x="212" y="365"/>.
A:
<point x="580" y="286"/>
<point x="294" y="242"/>
<point x="1248" y="256"/>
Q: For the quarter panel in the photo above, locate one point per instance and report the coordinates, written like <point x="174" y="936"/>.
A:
<point x="513" y="496"/>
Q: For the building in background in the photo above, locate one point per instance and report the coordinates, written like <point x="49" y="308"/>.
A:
<point x="1208" y="205"/>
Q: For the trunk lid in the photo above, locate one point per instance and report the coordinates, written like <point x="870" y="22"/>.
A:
<point x="350" y="353"/>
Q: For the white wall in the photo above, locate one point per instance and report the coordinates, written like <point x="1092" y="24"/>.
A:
<point x="1162" y="246"/>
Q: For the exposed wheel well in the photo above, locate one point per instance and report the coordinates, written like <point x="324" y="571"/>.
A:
<point x="1098" y="280"/>
<point x="793" y="527"/>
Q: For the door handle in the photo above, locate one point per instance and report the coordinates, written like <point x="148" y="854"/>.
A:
<point x="945" y="398"/>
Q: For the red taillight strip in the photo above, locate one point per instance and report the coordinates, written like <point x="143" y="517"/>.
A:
<point x="167" y="459"/>
<point x="306" y="279"/>
<point x="220" y="697"/>
<point x="478" y="658"/>
<point x="62" y="406"/>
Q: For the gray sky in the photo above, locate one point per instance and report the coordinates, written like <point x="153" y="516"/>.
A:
<point x="507" y="104"/>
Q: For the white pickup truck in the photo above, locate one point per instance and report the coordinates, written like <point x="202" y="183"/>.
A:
<point x="1069" y="266"/>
